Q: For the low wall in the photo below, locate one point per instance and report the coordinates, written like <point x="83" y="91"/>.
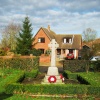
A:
<point x="44" y="59"/>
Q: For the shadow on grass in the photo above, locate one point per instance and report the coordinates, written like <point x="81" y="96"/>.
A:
<point x="4" y="96"/>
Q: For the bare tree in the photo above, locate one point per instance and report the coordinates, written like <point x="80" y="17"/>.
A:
<point x="89" y="34"/>
<point x="9" y="35"/>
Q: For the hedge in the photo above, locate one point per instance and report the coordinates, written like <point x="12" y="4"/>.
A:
<point x="76" y="65"/>
<point x="53" y="89"/>
<point x="24" y="63"/>
<point x="46" y="89"/>
<point x="31" y="74"/>
<point x="91" y="78"/>
<point x="70" y="75"/>
<point x="95" y="65"/>
<point x="16" y="76"/>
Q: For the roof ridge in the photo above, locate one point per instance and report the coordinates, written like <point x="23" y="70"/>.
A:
<point x="68" y="34"/>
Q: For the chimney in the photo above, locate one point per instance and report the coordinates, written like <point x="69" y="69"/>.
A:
<point x="49" y="28"/>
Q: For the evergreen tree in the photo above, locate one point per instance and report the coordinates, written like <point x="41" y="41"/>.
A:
<point x="24" y="41"/>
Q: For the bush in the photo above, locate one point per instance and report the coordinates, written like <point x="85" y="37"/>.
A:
<point x="47" y="52"/>
<point x="95" y="65"/>
<point x="2" y="52"/>
<point x="47" y="89"/>
<point x="76" y="65"/>
<point x="20" y="63"/>
<point x="36" y="52"/>
<point x="70" y="75"/>
<point x="15" y="76"/>
<point x="91" y="78"/>
<point x="31" y="74"/>
<point x="94" y="90"/>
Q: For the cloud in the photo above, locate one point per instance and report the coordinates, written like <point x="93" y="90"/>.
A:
<point x="64" y="16"/>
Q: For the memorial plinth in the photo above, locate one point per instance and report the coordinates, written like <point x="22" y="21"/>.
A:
<point x="52" y="75"/>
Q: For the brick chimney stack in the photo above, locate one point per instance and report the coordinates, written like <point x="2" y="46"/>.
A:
<point x="49" y="28"/>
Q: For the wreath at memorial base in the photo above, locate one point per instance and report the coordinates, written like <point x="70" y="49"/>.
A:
<point x="52" y="79"/>
<point x="61" y="77"/>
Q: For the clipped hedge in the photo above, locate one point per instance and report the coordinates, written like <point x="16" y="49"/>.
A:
<point x="31" y="74"/>
<point x="16" y="76"/>
<point x="95" y="65"/>
<point x="76" y="65"/>
<point x="24" y="63"/>
<point x="94" y="90"/>
<point x="91" y="78"/>
<point x="70" y="75"/>
<point x="46" y="89"/>
<point x="53" y="89"/>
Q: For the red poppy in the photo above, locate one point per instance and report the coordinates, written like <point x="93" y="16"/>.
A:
<point x="52" y="79"/>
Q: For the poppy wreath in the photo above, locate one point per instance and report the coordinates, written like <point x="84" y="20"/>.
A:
<point x="61" y="77"/>
<point x="52" y="79"/>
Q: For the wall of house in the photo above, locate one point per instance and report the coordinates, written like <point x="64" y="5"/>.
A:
<point x="75" y="52"/>
<point x="38" y="45"/>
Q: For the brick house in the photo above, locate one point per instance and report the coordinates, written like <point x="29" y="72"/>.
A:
<point x="68" y="43"/>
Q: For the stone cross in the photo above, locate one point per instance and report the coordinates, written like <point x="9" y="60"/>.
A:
<point x="53" y="45"/>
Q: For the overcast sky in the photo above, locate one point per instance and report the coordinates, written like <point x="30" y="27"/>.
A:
<point x="64" y="16"/>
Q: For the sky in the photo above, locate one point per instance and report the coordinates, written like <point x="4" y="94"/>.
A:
<point x="63" y="16"/>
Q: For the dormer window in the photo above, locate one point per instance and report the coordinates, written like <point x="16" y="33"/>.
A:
<point x="41" y="40"/>
<point x="64" y="40"/>
<point x="67" y="40"/>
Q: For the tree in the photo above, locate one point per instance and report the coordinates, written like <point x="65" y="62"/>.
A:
<point x="89" y="35"/>
<point x="96" y="48"/>
<point x="9" y="36"/>
<point x="24" y="42"/>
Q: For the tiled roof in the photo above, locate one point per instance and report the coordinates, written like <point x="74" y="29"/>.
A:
<point x="50" y="33"/>
<point x="76" y="39"/>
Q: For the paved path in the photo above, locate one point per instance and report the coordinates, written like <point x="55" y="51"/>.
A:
<point x="44" y="69"/>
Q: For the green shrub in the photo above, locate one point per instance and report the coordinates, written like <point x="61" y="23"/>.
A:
<point x="20" y="63"/>
<point x="31" y="74"/>
<point x="94" y="90"/>
<point x="16" y="76"/>
<point x="91" y="77"/>
<point x="47" y="89"/>
<point x="36" y="52"/>
<point x="14" y="87"/>
<point x="2" y="52"/>
<point x="76" y="65"/>
<point x="95" y="65"/>
<point x="70" y="75"/>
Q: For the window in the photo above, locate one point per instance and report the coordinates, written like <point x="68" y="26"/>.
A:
<point x="64" y="40"/>
<point x="41" y="40"/>
<point x="67" y="40"/>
